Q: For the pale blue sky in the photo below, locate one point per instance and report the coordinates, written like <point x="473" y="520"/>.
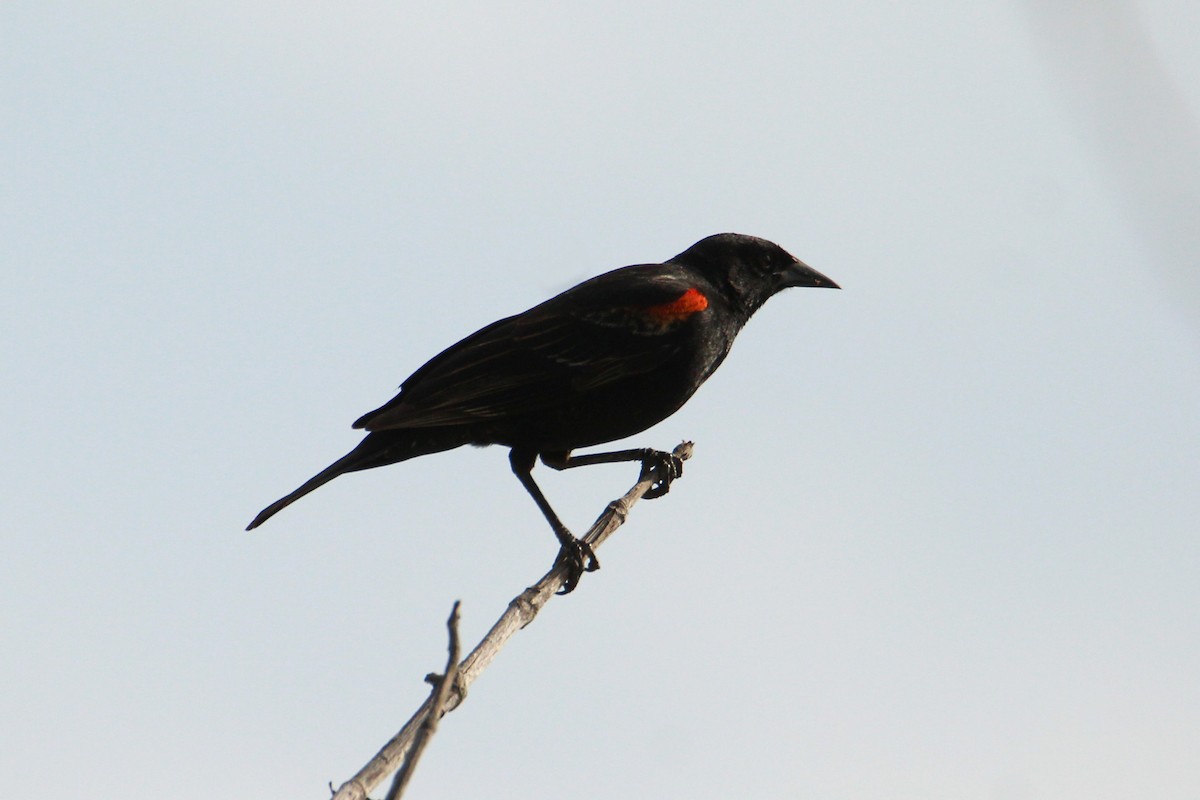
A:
<point x="939" y="537"/>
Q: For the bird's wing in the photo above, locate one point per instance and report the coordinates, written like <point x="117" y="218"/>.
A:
<point x="602" y="331"/>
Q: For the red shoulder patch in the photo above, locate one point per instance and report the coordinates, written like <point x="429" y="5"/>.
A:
<point x="680" y="308"/>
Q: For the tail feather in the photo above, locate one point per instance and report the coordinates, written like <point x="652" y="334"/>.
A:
<point x="376" y="450"/>
<point x="344" y="464"/>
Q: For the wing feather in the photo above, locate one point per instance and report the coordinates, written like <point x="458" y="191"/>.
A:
<point x="584" y="339"/>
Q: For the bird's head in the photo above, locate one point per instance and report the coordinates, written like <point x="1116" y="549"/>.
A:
<point x="749" y="270"/>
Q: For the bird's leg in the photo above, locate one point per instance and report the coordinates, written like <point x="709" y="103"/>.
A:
<point x="575" y="553"/>
<point x="664" y="467"/>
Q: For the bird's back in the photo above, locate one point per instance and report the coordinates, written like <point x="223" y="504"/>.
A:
<point x="601" y="361"/>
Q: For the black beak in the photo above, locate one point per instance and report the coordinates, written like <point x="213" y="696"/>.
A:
<point x="801" y="274"/>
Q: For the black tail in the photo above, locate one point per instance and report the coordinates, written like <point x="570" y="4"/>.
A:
<point x="343" y="464"/>
<point x="378" y="449"/>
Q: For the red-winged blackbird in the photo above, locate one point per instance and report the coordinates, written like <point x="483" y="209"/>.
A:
<point x="599" y="362"/>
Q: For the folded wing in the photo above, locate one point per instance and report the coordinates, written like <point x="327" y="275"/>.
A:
<point x="606" y="330"/>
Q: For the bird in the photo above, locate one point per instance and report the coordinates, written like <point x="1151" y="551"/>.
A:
<point x="601" y="361"/>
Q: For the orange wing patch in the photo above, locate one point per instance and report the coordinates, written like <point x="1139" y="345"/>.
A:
<point x="680" y="308"/>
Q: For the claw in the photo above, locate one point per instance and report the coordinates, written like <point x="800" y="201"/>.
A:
<point x="664" y="467"/>
<point x="578" y="557"/>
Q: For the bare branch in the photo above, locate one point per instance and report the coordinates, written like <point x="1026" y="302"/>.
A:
<point x="520" y="612"/>
<point x="441" y="691"/>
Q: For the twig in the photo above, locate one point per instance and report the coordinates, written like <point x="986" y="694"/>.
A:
<point x="520" y="612"/>
<point x="428" y="727"/>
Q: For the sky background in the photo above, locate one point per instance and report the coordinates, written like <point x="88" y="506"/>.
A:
<point x="939" y="536"/>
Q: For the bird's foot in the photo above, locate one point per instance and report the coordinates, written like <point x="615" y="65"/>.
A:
<point x="663" y="468"/>
<point x="578" y="557"/>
